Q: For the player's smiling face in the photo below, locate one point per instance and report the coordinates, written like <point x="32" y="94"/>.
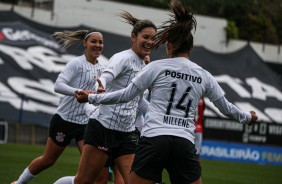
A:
<point x="142" y="43"/>
<point x="94" y="46"/>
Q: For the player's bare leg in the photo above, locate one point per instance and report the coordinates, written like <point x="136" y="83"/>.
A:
<point x="135" y="179"/>
<point x="80" y="145"/>
<point x="49" y="157"/>
<point x="199" y="181"/>
<point x="51" y="154"/>
<point x="117" y="176"/>
<point x="124" y="164"/>
<point x="103" y="176"/>
<point x="91" y="163"/>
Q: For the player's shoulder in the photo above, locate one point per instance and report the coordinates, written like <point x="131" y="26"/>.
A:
<point x="160" y="62"/>
<point x="162" y="65"/>
<point x="197" y="67"/>
<point x="75" y="61"/>
<point x="155" y="65"/>
<point x="122" y="55"/>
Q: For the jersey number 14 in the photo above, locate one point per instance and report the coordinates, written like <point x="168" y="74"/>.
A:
<point x="179" y="105"/>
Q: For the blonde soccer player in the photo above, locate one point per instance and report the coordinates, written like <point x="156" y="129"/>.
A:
<point x="70" y="119"/>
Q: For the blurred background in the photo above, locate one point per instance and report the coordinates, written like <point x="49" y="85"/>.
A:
<point x="237" y="41"/>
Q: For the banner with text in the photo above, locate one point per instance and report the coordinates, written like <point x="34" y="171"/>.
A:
<point x="241" y="152"/>
<point x="230" y="130"/>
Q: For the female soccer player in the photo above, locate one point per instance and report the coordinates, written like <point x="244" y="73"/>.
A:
<point x="70" y="119"/>
<point x="177" y="85"/>
<point x="110" y="132"/>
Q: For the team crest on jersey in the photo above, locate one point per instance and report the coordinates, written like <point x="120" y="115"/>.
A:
<point x="60" y="137"/>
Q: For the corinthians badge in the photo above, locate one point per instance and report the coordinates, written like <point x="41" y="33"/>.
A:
<point x="60" y="137"/>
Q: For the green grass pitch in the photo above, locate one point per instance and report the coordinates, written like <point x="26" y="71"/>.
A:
<point x="15" y="157"/>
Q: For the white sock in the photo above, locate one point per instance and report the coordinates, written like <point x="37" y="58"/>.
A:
<point x="25" y="177"/>
<point x="65" y="180"/>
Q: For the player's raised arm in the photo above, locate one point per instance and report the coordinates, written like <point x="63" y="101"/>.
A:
<point x="233" y="112"/>
<point x="121" y="96"/>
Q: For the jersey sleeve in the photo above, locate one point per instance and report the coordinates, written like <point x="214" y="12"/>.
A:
<point x="231" y="111"/>
<point x="213" y="89"/>
<point x="121" y="96"/>
<point x="145" y="78"/>
<point x="62" y="82"/>
<point x="69" y="70"/>
<point x="62" y="87"/>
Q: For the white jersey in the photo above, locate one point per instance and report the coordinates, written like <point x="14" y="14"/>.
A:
<point x="124" y="66"/>
<point x="79" y="74"/>
<point x="177" y="84"/>
<point x="139" y="122"/>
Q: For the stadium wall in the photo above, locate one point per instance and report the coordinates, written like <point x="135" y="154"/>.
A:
<point x="210" y="31"/>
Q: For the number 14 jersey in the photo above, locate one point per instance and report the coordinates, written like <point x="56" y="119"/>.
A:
<point x="177" y="85"/>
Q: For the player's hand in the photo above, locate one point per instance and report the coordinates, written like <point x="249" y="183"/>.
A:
<point x="82" y="96"/>
<point x="90" y="92"/>
<point x="101" y="88"/>
<point x="254" y="118"/>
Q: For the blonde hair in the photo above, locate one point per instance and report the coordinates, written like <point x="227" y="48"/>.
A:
<point x="67" y="38"/>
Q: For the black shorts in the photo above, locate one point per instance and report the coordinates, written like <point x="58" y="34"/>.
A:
<point x="175" y="154"/>
<point x="62" y="132"/>
<point x="114" y="143"/>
